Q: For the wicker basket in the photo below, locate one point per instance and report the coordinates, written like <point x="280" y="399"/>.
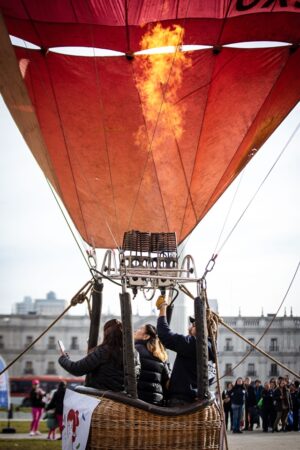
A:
<point x="118" y="426"/>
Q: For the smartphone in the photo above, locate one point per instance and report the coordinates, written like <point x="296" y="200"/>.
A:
<point x="61" y="346"/>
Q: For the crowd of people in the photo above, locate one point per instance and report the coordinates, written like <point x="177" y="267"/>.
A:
<point x="104" y="369"/>
<point x="274" y="406"/>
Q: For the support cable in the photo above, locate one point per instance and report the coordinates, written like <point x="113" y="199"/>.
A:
<point x="79" y="297"/>
<point x="212" y="331"/>
<point x="270" y="324"/>
<point x="217" y="319"/>
<point x="260" y="186"/>
<point x="255" y="347"/>
<point x="68" y="224"/>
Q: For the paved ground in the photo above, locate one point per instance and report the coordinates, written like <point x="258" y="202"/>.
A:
<point x="255" y="440"/>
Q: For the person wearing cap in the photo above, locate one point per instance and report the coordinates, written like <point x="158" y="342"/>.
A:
<point x="37" y="406"/>
<point x="183" y="382"/>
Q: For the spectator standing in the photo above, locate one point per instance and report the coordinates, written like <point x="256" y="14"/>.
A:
<point x="258" y="391"/>
<point x="37" y="406"/>
<point x="295" y="397"/>
<point x="250" y="405"/>
<point x="226" y="398"/>
<point x="57" y="404"/>
<point x="237" y="404"/>
<point x="267" y="407"/>
<point x="283" y="405"/>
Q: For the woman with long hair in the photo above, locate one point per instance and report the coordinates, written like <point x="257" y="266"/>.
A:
<point x="154" y="375"/>
<point x="104" y="364"/>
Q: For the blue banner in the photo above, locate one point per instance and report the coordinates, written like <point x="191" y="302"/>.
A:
<point x="4" y="386"/>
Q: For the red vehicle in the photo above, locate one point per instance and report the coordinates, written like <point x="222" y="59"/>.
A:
<point x="20" y="387"/>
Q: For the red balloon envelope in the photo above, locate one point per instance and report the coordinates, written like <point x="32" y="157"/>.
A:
<point x="147" y="142"/>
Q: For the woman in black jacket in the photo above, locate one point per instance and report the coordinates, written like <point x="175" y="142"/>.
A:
<point x="57" y="403"/>
<point x="226" y="397"/>
<point x="104" y="364"/>
<point x="154" y="374"/>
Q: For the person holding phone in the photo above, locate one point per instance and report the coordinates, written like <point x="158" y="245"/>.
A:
<point x="104" y="364"/>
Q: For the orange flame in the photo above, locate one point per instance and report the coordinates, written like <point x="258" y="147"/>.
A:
<point x="159" y="77"/>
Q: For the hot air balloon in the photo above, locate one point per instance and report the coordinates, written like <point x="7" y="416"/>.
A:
<point x="146" y="139"/>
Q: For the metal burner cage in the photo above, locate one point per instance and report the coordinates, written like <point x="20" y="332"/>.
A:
<point x="149" y="261"/>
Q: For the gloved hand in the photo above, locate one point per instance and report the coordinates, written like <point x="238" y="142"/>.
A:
<point x="161" y="301"/>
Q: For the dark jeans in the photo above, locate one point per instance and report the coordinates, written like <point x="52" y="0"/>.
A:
<point x="237" y="412"/>
<point x="267" y="418"/>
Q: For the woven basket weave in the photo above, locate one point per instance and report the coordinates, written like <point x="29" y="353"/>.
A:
<point x="117" y="426"/>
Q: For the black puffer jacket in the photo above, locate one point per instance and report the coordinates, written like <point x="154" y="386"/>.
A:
<point x="153" y="377"/>
<point x="104" y="371"/>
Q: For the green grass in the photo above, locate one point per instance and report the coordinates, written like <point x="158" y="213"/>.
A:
<point x="22" y="426"/>
<point x="29" y="444"/>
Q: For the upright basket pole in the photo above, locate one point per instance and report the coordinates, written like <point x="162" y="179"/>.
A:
<point x="95" y="314"/>
<point x="128" y="345"/>
<point x="201" y="347"/>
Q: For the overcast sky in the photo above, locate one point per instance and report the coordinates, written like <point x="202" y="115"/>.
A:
<point x="253" y="270"/>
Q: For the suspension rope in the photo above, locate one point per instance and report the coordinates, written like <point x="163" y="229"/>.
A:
<point x="255" y="347"/>
<point x="229" y="210"/>
<point x="50" y="164"/>
<point x="270" y="324"/>
<point x="217" y="319"/>
<point x="68" y="224"/>
<point x="260" y="186"/>
<point x="212" y="329"/>
<point x="79" y="297"/>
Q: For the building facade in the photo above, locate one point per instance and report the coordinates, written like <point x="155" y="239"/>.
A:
<point x="18" y="331"/>
<point x="281" y="341"/>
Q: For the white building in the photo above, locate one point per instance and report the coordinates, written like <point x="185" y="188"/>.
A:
<point x="18" y="331"/>
<point x="282" y="342"/>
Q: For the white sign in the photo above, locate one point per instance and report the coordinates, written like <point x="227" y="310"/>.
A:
<point x="78" y="410"/>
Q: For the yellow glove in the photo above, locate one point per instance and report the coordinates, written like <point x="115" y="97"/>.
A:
<point x="161" y="301"/>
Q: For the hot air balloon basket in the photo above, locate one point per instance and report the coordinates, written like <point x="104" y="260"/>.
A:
<point x="117" y="426"/>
